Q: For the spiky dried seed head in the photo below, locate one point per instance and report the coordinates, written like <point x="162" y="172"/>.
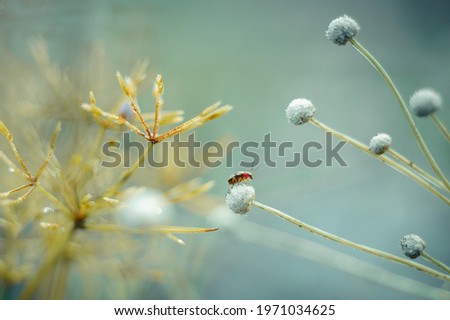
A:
<point x="341" y="30"/>
<point x="380" y="143"/>
<point x="299" y="111"/>
<point x="240" y="197"/>
<point x="412" y="245"/>
<point x="424" y="102"/>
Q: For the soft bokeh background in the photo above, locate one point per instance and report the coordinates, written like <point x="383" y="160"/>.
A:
<point x="258" y="56"/>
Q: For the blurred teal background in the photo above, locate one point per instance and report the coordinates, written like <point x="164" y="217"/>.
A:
<point x="258" y="56"/>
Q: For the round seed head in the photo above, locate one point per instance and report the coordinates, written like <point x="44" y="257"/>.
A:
<point x="380" y="143"/>
<point x="412" y="245"/>
<point x="425" y="102"/>
<point x="299" y="111"/>
<point x="239" y="198"/>
<point x="341" y="30"/>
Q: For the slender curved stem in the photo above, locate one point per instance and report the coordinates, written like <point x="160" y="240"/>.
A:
<point x="307" y="249"/>
<point x="440" y="264"/>
<point x="441" y="126"/>
<point x="147" y="230"/>
<point x="416" y="168"/>
<point x="54" y="200"/>
<point x="383" y="159"/>
<point x="402" y="103"/>
<point x="352" y="244"/>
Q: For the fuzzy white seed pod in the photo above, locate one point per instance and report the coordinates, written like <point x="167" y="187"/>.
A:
<point x="380" y="143"/>
<point x="240" y="197"/>
<point x="341" y="30"/>
<point x="299" y="111"/>
<point x="412" y="245"/>
<point x="425" y="102"/>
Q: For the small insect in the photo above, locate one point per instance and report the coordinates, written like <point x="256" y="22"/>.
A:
<point x="240" y="176"/>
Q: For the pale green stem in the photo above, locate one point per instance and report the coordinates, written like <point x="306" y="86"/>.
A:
<point x="402" y="103"/>
<point x="352" y="244"/>
<point x="313" y="251"/>
<point x="382" y="158"/>
<point x="416" y="168"/>
<point x="440" y="264"/>
<point x="441" y="126"/>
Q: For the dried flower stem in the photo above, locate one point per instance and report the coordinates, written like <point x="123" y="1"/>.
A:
<point x="158" y="229"/>
<point x="96" y="111"/>
<point x="25" y="173"/>
<point x="307" y="249"/>
<point x="415" y="167"/>
<point x="382" y="158"/>
<point x="135" y="108"/>
<point x="155" y="125"/>
<point x="352" y="244"/>
<point x="8" y="193"/>
<point x="10" y="164"/>
<point x="55" y="201"/>
<point x="158" y="92"/>
<point x="4" y="130"/>
<point x="440" y="264"/>
<point x="210" y="113"/>
<point x="402" y="103"/>
<point x="441" y="126"/>
<point x="50" y="152"/>
<point x="32" y="186"/>
<point x="51" y="258"/>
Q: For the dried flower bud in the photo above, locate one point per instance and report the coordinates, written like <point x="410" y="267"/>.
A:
<point x="210" y="109"/>
<point x="217" y="113"/>
<point x="425" y="102"/>
<point x="380" y="143"/>
<point x="122" y="84"/>
<point x="412" y="245"/>
<point x="158" y="86"/>
<point x="92" y="98"/>
<point x="240" y="197"/>
<point x="341" y="30"/>
<point x="299" y="111"/>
